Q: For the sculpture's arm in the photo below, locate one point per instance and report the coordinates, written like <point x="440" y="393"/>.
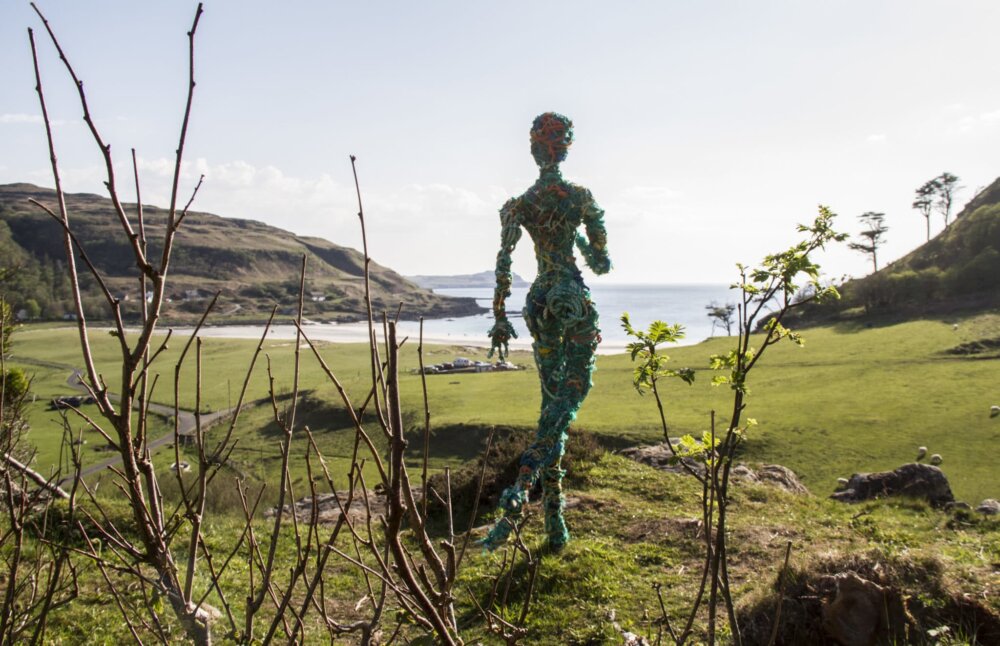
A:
<point x="502" y="331"/>
<point x="594" y="248"/>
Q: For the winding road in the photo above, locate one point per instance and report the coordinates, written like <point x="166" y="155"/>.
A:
<point x="186" y="422"/>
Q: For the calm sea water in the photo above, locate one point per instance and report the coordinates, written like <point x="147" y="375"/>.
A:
<point x="684" y="304"/>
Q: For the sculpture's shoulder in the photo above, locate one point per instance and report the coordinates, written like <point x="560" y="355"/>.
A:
<point x="511" y="213"/>
<point x="577" y="193"/>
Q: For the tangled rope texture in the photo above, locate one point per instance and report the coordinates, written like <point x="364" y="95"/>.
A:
<point x="559" y="314"/>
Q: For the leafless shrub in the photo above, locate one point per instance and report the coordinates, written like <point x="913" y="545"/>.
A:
<point x="156" y="550"/>
<point x="37" y="576"/>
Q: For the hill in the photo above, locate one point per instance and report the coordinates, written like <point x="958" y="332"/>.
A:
<point x="956" y="271"/>
<point x="482" y="279"/>
<point x="252" y="264"/>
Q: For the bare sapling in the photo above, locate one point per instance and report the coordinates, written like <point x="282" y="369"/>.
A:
<point x="156" y="555"/>
<point x="145" y="551"/>
<point x="38" y="573"/>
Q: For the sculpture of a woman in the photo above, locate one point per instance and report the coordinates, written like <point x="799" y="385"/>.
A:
<point x="559" y="314"/>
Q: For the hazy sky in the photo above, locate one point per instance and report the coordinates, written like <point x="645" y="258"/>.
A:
<point x="706" y="130"/>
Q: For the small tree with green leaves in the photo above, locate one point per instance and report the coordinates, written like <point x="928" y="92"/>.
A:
<point x="872" y="236"/>
<point x="766" y="294"/>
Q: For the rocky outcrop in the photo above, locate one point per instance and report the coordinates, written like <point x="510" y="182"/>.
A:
<point x="328" y="507"/>
<point x="990" y="507"/>
<point x="913" y="480"/>
<point x="659" y="456"/>
<point x="771" y="474"/>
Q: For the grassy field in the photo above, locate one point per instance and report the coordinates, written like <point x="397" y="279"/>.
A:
<point x="634" y="527"/>
<point x="851" y="400"/>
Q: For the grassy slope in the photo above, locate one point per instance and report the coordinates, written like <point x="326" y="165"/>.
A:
<point x="850" y="400"/>
<point x="634" y="527"/>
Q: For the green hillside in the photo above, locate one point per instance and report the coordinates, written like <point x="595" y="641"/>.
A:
<point x="957" y="270"/>
<point x="853" y="399"/>
<point x="252" y="264"/>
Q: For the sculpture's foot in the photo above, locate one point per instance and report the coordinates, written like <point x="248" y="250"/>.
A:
<point x="555" y="529"/>
<point x="498" y="535"/>
<point x="512" y="502"/>
<point x="557" y="545"/>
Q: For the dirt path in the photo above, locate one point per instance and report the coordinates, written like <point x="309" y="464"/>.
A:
<point x="186" y="424"/>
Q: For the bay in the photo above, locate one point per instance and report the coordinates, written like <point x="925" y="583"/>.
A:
<point x="677" y="303"/>
<point x="671" y="303"/>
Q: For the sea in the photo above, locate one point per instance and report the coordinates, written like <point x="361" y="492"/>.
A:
<point x="671" y="303"/>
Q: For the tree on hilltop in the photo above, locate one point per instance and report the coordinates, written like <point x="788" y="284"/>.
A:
<point x="924" y="202"/>
<point x="872" y="236"/>
<point x="947" y="186"/>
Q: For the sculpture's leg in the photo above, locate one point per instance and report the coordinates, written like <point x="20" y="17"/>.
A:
<point x="547" y="338"/>
<point x="553" y="502"/>
<point x="566" y="337"/>
<point x="547" y="348"/>
<point x="579" y="347"/>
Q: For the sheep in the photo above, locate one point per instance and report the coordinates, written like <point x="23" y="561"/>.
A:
<point x="921" y="452"/>
<point x="936" y="459"/>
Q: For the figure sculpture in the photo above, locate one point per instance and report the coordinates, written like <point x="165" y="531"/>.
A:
<point x="559" y="315"/>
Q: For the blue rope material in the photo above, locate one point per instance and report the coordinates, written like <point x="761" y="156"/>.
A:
<point x="560" y="316"/>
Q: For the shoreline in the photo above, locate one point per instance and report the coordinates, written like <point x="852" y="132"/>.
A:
<point x="358" y="333"/>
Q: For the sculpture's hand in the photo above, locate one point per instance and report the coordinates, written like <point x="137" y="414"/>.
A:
<point x="501" y="333"/>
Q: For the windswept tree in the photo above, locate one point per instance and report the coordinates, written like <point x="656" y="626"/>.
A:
<point x="722" y="316"/>
<point x="924" y="202"/>
<point x="947" y="186"/>
<point x="871" y="236"/>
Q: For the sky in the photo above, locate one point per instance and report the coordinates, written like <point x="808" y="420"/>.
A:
<point x="706" y="130"/>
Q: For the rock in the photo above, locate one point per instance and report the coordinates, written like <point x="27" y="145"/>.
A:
<point x="328" y="509"/>
<point x="745" y="473"/>
<point x="990" y="507"/>
<point x="913" y="480"/>
<point x="659" y="456"/>
<point x="781" y="477"/>
<point x="852" y="618"/>
<point x="770" y="474"/>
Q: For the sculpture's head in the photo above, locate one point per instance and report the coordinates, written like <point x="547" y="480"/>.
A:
<point x="551" y="136"/>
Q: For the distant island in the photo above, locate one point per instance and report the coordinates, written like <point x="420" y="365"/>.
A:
<point x="482" y="279"/>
